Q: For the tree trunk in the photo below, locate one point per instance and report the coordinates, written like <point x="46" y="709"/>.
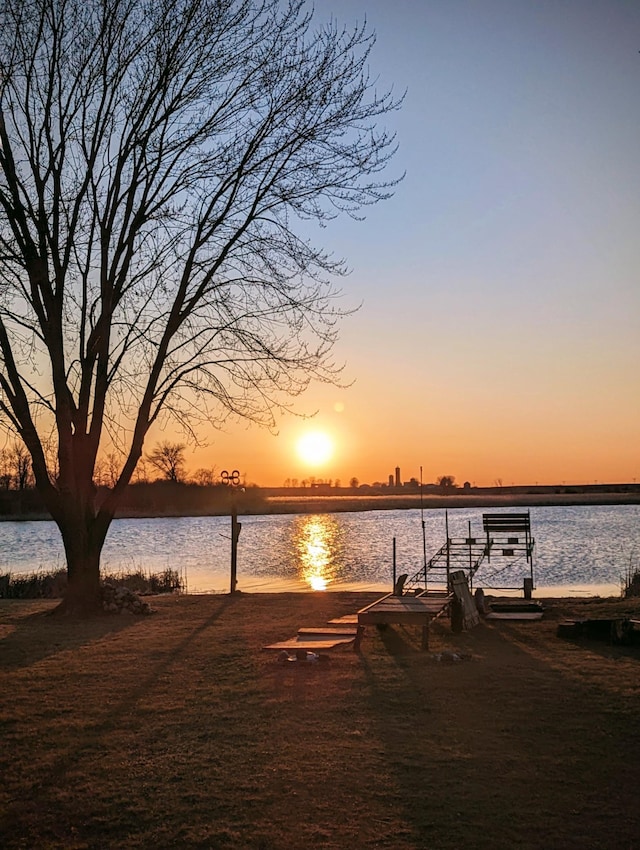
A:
<point x="83" y="548"/>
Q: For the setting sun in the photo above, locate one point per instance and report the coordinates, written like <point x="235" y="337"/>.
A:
<point x="315" y="448"/>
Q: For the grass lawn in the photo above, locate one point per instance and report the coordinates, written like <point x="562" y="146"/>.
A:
<point x="178" y="731"/>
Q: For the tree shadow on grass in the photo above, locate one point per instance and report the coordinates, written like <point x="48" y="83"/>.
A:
<point x="470" y="745"/>
<point x="26" y="639"/>
<point x="399" y="641"/>
<point x="600" y="644"/>
<point x="90" y="740"/>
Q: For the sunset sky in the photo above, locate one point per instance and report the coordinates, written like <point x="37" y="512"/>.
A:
<point x="499" y="332"/>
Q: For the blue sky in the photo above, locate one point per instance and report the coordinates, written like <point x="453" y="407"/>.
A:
<point x="499" y="332"/>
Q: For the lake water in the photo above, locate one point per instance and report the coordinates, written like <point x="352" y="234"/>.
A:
<point x="581" y="549"/>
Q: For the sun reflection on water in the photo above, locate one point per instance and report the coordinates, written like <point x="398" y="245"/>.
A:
<point x="316" y="540"/>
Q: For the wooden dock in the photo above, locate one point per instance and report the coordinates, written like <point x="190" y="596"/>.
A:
<point x="347" y="630"/>
<point x="406" y="610"/>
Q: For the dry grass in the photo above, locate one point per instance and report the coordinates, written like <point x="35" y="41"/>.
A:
<point x="178" y="731"/>
<point x="456" y="499"/>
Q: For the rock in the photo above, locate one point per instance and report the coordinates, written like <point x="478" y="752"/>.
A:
<point x="122" y="600"/>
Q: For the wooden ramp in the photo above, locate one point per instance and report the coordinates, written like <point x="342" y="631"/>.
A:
<point x="346" y="620"/>
<point x="514" y="615"/>
<point x="514" y="610"/>
<point x="312" y="645"/>
<point x="406" y="610"/>
<point x="319" y="639"/>
<point x="328" y="632"/>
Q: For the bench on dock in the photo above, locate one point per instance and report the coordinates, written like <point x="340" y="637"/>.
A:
<point x="503" y="523"/>
<point x="506" y="522"/>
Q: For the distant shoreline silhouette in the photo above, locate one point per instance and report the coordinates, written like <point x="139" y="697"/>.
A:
<point x="170" y="499"/>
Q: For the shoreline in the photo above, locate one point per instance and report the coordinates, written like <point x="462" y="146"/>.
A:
<point x="354" y="504"/>
<point x="334" y="504"/>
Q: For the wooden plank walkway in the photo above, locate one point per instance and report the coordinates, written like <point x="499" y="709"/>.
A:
<point x="328" y="632"/>
<point x="320" y="639"/>
<point x="348" y="629"/>
<point x="405" y="610"/>
<point x="312" y="645"/>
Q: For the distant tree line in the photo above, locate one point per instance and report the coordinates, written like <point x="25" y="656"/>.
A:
<point x="444" y="482"/>
<point x="161" y="485"/>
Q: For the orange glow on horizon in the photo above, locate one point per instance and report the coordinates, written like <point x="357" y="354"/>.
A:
<point x="446" y="432"/>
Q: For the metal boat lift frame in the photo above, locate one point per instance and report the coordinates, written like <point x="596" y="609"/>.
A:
<point x="505" y="536"/>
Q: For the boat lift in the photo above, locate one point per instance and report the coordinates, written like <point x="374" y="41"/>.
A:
<point x="505" y="538"/>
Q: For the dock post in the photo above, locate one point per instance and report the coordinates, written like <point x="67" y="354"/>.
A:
<point x="232" y="481"/>
<point x="235" y="534"/>
<point x="394" y="564"/>
<point x="457" y="616"/>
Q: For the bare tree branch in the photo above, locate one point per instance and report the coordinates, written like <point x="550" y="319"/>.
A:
<point x="158" y="167"/>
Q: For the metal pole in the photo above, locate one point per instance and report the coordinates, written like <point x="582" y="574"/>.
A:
<point x="235" y="534"/>
<point x="394" y="564"/>
<point x="424" y="538"/>
<point x="446" y="526"/>
<point x="470" y="556"/>
<point x="231" y="480"/>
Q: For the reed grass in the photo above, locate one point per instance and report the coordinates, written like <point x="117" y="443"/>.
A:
<point x="52" y="584"/>
<point x="35" y="585"/>
<point x="631" y="580"/>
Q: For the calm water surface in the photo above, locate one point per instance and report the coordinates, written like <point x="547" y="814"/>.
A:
<point x="578" y="549"/>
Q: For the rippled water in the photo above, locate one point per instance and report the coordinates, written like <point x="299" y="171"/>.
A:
<point x="578" y="549"/>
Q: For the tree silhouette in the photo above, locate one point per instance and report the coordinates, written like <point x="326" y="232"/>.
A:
<point x="15" y="467"/>
<point x="168" y="459"/>
<point x="159" y="167"/>
<point x="205" y="477"/>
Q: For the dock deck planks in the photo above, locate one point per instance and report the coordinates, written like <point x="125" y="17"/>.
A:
<point x="312" y="644"/>
<point x="405" y="610"/>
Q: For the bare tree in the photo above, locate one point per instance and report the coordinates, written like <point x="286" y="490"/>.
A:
<point x="15" y="467"/>
<point x="159" y="167"/>
<point x="20" y="462"/>
<point x="168" y="459"/>
<point x="6" y="476"/>
<point x="140" y="473"/>
<point x="107" y="469"/>
<point x="205" y="477"/>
